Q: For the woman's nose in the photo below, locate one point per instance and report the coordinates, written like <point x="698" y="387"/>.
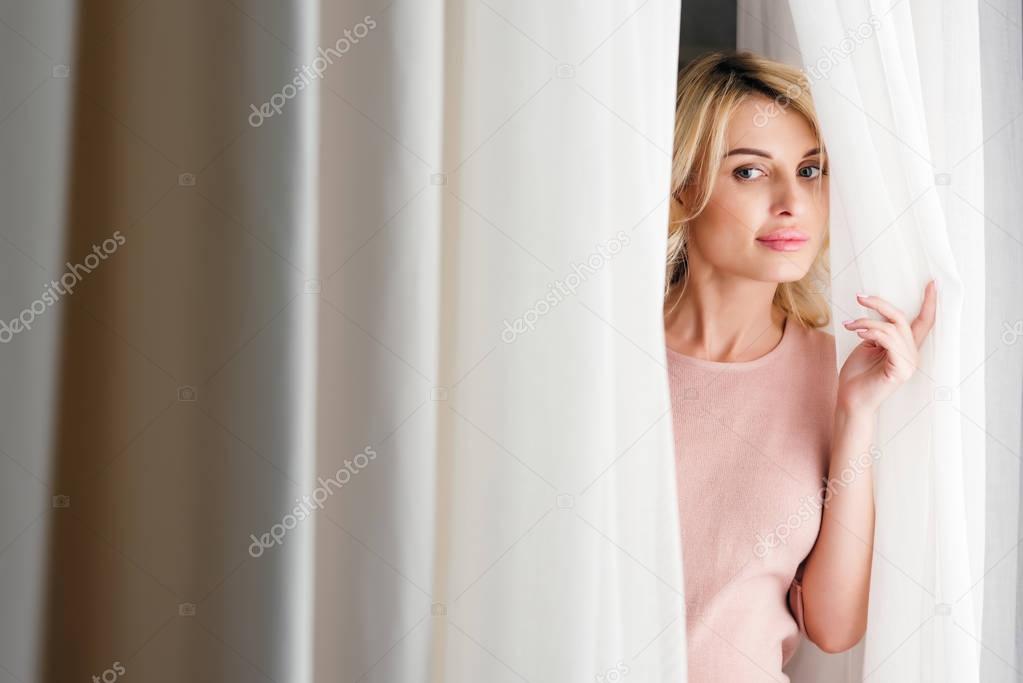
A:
<point x="789" y="197"/>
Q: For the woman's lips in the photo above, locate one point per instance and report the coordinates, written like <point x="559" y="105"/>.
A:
<point x="783" y="245"/>
<point x="784" y="240"/>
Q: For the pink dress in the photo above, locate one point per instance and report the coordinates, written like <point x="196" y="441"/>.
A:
<point x="752" y="443"/>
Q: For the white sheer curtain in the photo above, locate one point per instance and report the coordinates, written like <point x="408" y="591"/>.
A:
<point x="497" y="320"/>
<point x="422" y="290"/>
<point x="920" y="103"/>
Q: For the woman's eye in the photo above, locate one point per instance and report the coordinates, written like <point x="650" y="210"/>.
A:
<point x="745" y="173"/>
<point x="814" y="171"/>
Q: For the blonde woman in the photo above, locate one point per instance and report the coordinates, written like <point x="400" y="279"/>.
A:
<point x="774" y="445"/>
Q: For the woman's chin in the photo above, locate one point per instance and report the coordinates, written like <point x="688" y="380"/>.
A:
<point x="782" y="274"/>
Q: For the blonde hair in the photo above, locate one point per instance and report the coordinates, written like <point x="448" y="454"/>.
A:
<point x="709" y="90"/>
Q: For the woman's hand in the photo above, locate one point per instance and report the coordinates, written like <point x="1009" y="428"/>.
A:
<point x="889" y="354"/>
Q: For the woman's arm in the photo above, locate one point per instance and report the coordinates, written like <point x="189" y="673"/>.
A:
<point x="836" y="579"/>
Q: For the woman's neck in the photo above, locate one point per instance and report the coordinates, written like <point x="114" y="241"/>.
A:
<point x="723" y="324"/>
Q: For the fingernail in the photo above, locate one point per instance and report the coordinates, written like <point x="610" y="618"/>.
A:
<point x="846" y="322"/>
<point x="861" y="296"/>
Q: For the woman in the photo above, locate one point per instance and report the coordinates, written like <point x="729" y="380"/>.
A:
<point x="774" y="446"/>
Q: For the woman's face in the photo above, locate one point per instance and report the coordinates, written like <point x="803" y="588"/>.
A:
<point x="770" y="180"/>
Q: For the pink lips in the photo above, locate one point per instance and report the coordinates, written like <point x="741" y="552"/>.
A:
<point x="785" y="239"/>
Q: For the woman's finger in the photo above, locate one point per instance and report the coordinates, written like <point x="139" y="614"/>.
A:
<point x="894" y="345"/>
<point x="924" y="322"/>
<point x="893" y="314"/>
<point x="878" y="336"/>
<point x="870" y="323"/>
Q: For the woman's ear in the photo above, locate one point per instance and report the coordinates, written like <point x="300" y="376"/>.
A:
<point x="683" y="195"/>
<point x="677" y="205"/>
<point x="674" y="211"/>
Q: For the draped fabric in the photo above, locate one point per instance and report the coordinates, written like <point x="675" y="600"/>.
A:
<point x="920" y="103"/>
<point x="331" y="341"/>
<point x="363" y="377"/>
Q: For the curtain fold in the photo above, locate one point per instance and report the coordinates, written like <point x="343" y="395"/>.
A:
<point x="359" y="372"/>
<point x="529" y="464"/>
<point x="919" y="102"/>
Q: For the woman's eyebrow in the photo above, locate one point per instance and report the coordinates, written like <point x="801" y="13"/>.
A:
<point x="762" y="153"/>
<point x="749" y="150"/>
